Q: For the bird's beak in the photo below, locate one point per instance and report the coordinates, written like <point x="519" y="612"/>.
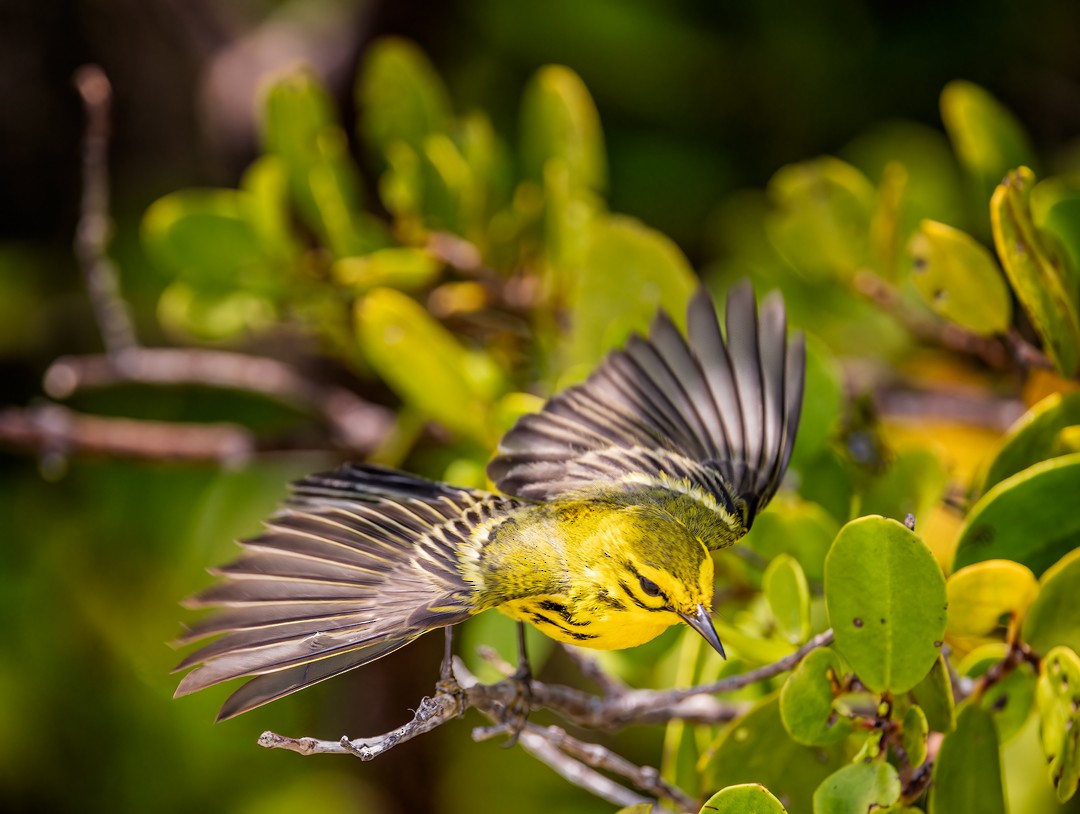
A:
<point x="701" y="621"/>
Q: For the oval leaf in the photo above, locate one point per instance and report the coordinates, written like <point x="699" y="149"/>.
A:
<point x="1054" y="617"/>
<point x="400" y="96"/>
<point x="806" y="700"/>
<point x="935" y="696"/>
<point x="630" y="270"/>
<point x="403" y="267"/>
<point x="980" y="594"/>
<point x="821" y="217"/>
<point x="967" y="772"/>
<point x="788" y="594"/>
<point x="885" y="596"/>
<point x="916" y="733"/>
<point x="986" y="137"/>
<point x="959" y="278"/>
<point x="858" y="788"/>
<point x="1029" y="518"/>
<point x="1058" y="697"/>
<point x="559" y="123"/>
<point x="1036" y="271"/>
<point x="426" y="365"/>
<point x="748" y="798"/>
<point x="1034" y="437"/>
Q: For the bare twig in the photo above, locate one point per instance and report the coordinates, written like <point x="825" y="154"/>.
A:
<point x="645" y="778"/>
<point x="357" y="425"/>
<point x="53" y="429"/>
<point x="94" y="227"/>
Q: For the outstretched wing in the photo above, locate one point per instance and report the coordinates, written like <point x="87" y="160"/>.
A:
<point x="713" y="419"/>
<point x="358" y="563"/>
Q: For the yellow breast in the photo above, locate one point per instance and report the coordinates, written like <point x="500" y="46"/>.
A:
<point x="588" y="625"/>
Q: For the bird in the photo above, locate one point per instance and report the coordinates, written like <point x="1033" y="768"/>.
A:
<point x="611" y="499"/>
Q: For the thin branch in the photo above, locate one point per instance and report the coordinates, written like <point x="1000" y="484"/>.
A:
<point x="357" y="425"/>
<point x="646" y="778"/>
<point x="52" y="429"/>
<point x="94" y="227"/>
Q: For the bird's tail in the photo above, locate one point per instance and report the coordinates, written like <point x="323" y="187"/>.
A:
<point x="358" y="563"/>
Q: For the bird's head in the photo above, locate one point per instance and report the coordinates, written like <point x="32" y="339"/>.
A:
<point x="661" y="567"/>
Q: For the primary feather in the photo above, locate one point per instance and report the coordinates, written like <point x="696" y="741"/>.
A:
<point x="616" y="491"/>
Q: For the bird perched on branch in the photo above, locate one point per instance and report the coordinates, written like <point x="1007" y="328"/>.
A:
<point x="615" y="494"/>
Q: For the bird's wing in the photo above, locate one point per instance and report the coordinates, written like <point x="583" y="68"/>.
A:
<point x="714" y="419"/>
<point x="358" y="563"/>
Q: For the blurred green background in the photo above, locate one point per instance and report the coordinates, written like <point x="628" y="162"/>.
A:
<point x="698" y="101"/>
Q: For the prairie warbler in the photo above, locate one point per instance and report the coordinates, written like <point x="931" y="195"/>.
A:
<point x="615" y="494"/>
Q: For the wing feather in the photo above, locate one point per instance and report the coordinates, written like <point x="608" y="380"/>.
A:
<point x="712" y="417"/>
<point x="359" y="562"/>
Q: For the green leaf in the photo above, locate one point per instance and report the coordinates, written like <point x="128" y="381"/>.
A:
<point x="959" y="278"/>
<point x="916" y="732"/>
<point x="806" y="700"/>
<point x="640" y="808"/>
<point x="1054" y="617"/>
<point x="746" y="798"/>
<point x="1007" y="699"/>
<point x="404" y="268"/>
<point x="821" y="217"/>
<point x="1034" y="437"/>
<point x="788" y="594"/>
<point x="1036" y="271"/>
<point x="213" y="315"/>
<point x="885" y="595"/>
<point x="559" y="123"/>
<point x="302" y="129"/>
<point x="796" y="527"/>
<point x="1058" y="697"/>
<point x="986" y="137"/>
<point x="913" y="483"/>
<point x="400" y="96"/>
<point x="756" y="748"/>
<point x="934" y="696"/>
<point x="630" y="271"/>
<point x="858" y="788"/>
<point x="205" y="237"/>
<point x="967" y="772"/>
<point x="980" y="594"/>
<point x="427" y="366"/>
<point x="1029" y="518"/>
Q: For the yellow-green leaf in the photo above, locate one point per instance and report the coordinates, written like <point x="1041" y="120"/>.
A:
<point x="426" y="365"/>
<point x="1036" y="270"/>
<point x="747" y="798"/>
<point x="916" y="732"/>
<point x="821" y="216"/>
<point x="885" y="595"/>
<point x="959" y="278"/>
<point x="1057" y="694"/>
<point x="935" y="696"/>
<point x="981" y="593"/>
<point x="404" y="268"/>
<point x="788" y="594"/>
<point x="559" y="123"/>
<point x="400" y="96"/>
<point x="806" y="700"/>
<point x="858" y="788"/>
<point x="986" y="137"/>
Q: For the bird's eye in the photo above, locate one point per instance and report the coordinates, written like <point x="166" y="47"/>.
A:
<point x="650" y="587"/>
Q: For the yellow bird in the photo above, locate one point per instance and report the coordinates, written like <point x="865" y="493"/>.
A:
<point x="615" y="494"/>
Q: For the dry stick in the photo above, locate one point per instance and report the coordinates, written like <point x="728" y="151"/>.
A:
<point x="51" y="428"/>
<point x="94" y="226"/>
<point x="357" y="425"/>
<point x="551" y="744"/>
